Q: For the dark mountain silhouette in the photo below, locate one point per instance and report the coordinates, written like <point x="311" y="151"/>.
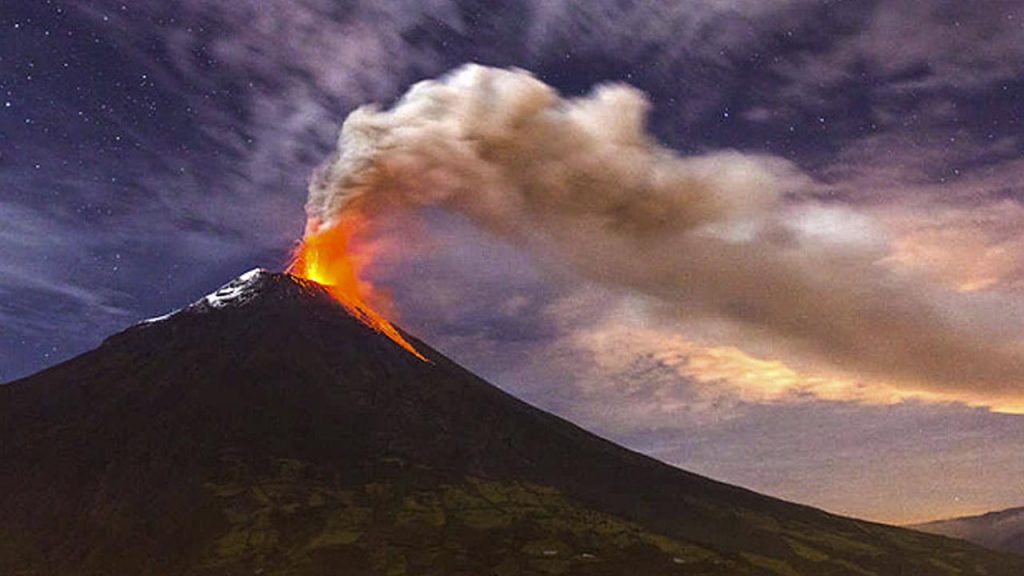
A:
<point x="1001" y="530"/>
<point x="265" y="430"/>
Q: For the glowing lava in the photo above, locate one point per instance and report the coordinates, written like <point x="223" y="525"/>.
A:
<point x="330" y="256"/>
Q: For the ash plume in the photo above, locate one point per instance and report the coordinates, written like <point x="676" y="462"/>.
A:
<point x="580" y="181"/>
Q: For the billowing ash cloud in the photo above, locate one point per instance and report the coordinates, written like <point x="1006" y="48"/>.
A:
<point x="579" y="180"/>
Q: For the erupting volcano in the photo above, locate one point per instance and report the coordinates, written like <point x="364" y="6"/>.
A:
<point x="205" y="442"/>
<point x="331" y="256"/>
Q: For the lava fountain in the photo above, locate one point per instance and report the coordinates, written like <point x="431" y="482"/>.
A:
<point x="331" y="256"/>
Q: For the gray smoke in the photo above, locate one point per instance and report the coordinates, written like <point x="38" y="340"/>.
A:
<point x="580" y="181"/>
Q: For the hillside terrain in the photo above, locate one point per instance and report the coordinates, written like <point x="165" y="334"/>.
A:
<point x="1001" y="530"/>
<point x="265" y="430"/>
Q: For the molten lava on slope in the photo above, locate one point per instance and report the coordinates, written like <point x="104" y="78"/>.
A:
<point x="331" y="256"/>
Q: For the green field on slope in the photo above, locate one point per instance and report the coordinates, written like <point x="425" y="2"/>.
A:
<point x="292" y="520"/>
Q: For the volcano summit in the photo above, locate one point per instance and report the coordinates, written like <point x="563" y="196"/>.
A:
<point x="266" y="429"/>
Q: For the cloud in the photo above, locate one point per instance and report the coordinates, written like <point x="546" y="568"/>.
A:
<point x="268" y="81"/>
<point x="579" y="182"/>
<point x="971" y="249"/>
<point x="951" y="204"/>
<point x="946" y="43"/>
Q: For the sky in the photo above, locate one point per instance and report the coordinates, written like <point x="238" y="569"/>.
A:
<point x="151" y="151"/>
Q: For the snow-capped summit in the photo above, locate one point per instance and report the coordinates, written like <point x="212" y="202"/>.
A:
<point x="238" y="291"/>
<point x="235" y="293"/>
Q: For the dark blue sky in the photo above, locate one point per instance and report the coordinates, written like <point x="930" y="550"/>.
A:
<point x="150" y="151"/>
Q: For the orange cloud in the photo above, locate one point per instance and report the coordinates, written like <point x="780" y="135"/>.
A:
<point x="967" y="249"/>
<point x="661" y="359"/>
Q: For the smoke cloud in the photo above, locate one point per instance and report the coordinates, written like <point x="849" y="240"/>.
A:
<point x="717" y="236"/>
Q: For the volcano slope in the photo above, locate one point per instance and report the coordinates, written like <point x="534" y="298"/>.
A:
<point x="265" y="430"/>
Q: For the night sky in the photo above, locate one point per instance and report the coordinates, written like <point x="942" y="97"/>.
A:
<point x="152" y="151"/>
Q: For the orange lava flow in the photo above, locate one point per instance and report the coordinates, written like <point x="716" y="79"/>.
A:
<point x="330" y="257"/>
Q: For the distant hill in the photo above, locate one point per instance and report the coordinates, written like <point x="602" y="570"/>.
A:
<point x="264" y="430"/>
<point x="1002" y="530"/>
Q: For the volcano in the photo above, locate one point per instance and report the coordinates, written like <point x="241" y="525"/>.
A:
<point x="266" y="429"/>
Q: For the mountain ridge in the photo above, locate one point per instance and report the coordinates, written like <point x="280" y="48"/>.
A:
<point x="265" y="428"/>
<point x="999" y="529"/>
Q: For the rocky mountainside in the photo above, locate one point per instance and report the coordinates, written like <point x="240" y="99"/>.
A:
<point x="265" y="430"/>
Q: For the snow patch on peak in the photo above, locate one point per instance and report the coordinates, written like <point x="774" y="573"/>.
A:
<point x="160" y="318"/>
<point x="238" y="291"/>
